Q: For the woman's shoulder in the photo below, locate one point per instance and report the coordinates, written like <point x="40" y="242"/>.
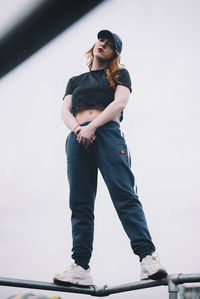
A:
<point x="124" y="78"/>
<point x="123" y="71"/>
<point x="124" y="74"/>
<point x="79" y="77"/>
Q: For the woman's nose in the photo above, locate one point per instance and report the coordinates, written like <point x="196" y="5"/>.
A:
<point x="103" y="43"/>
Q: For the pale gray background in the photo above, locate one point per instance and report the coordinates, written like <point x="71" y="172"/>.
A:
<point x="161" y="126"/>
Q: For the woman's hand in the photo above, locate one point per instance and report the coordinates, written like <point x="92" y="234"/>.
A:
<point x="86" y="135"/>
<point x="77" y="130"/>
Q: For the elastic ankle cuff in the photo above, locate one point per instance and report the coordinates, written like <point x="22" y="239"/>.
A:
<point x="84" y="266"/>
<point x="144" y="255"/>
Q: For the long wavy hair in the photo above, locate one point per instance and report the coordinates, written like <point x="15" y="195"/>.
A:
<point x="113" y="67"/>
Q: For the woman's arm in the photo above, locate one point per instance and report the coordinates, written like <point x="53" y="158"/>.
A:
<point x="122" y="94"/>
<point x="70" y="121"/>
<point x="121" y="97"/>
<point x="67" y="116"/>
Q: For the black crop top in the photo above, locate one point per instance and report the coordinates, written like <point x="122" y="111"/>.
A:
<point x="93" y="89"/>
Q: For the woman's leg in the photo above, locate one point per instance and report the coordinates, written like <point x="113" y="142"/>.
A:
<point x="113" y="162"/>
<point x="82" y="177"/>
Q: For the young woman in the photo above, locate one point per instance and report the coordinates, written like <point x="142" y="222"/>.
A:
<point x="93" y="109"/>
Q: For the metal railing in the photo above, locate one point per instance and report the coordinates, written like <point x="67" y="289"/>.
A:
<point x="172" y="281"/>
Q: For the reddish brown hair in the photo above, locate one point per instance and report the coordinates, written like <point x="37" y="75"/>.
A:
<point x="112" y="70"/>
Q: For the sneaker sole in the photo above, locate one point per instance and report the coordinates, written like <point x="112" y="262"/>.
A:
<point x="66" y="283"/>
<point x="158" y="275"/>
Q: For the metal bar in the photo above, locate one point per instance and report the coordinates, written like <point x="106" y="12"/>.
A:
<point x="173" y="290"/>
<point x="182" y="278"/>
<point x="44" y="21"/>
<point x="29" y="284"/>
<point x="172" y="281"/>
<point x="135" y="286"/>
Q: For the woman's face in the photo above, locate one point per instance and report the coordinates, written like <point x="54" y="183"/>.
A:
<point x="104" y="49"/>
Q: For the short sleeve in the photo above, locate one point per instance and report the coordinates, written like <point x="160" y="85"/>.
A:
<point x="124" y="78"/>
<point x="69" y="88"/>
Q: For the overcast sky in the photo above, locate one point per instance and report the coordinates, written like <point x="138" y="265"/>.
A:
<point x="161" y="125"/>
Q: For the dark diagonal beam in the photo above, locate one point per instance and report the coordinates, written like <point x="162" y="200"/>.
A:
<point x="39" y="26"/>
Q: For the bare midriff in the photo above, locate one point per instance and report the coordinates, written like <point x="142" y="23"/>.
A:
<point x="88" y="114"/>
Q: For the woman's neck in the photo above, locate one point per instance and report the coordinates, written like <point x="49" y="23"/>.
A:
<point x="98" y="64"/>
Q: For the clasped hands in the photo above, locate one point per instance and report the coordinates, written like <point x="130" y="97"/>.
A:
<point x="85" y="135"/>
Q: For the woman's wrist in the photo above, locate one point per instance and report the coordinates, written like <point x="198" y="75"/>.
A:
<point x="75" y="128"/>
<point x="93" y="125"/>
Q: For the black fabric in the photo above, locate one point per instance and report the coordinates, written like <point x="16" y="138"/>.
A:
<point x="92" y="89"/>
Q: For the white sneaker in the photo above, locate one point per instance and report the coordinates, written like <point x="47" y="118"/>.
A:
<point x="151" y="267"/>
<point x="76" y="275"/>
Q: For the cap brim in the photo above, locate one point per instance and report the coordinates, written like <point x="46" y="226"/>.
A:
<point x="108" y="34"/>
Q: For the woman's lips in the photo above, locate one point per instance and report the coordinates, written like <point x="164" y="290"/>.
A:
<point x="100" y="50"/>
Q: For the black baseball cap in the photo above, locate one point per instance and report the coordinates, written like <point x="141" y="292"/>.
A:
<point x="113" y="36"/>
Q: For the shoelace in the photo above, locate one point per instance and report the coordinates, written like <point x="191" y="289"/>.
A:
<point x="151" y="259"/>
<point x="70" y="268"/>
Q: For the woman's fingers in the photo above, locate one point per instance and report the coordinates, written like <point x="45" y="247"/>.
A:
<point x="86" y="141"/>
<point x="93" y="138"/>
<point x="79" y="138"/>
<point x="82" y="140"/>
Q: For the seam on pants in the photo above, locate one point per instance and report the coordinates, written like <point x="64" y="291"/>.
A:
<point x="135" y="188"/>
